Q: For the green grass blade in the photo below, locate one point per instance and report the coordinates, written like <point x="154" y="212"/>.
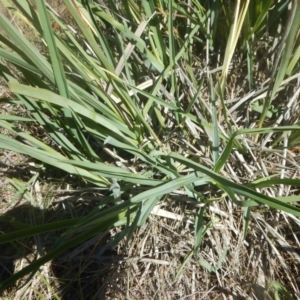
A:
<point x="239" y="189"/>
<point x="26" y="48"/>
<point x="284" y="54"/>
<point x="57" y="67"/>
<point x="53" y="98"/>
<point x="36" y="230"/>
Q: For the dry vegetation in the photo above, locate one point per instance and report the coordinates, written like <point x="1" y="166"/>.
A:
<point x="157" y="262"/>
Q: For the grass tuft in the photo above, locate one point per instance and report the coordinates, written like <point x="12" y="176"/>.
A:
<point x="149" y="149"/>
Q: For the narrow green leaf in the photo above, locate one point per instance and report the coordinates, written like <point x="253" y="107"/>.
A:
<point x="57" y="67"/>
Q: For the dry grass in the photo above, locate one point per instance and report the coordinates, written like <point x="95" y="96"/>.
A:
<point x="146" y="266"/>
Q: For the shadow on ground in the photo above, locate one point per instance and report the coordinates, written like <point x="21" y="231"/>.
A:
<point x="83" y="272"/>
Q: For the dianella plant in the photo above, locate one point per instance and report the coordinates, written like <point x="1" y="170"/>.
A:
<point x="148" y="98"/>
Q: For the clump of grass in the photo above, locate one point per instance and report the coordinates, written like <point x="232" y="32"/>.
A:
<point x="158" y="100"/>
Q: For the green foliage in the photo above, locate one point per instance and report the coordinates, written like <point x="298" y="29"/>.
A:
<point x="117" y="83"/>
